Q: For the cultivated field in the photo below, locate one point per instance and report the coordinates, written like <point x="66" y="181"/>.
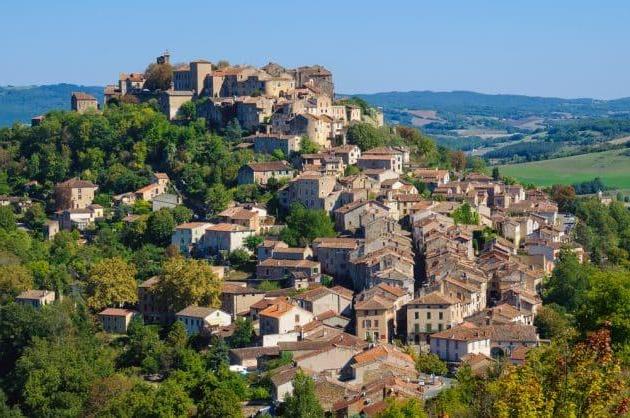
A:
<point x="611" y="166"/>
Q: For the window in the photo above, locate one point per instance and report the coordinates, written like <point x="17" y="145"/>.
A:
<point x="368" y="323"/>
<point x="376" y="322"/>
<point x="416" y="315"/>
<point x="428" y="315"/>
<point x="441" y="315"/>
<point x="417" y="328"/>
<point x="429" y="328"/>
<point x="456" y="345"/>
<point x="440" y="327"/>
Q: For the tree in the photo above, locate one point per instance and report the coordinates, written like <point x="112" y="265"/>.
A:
<point x="268" y="285"/>
<point x="407" y="408"/>
<point x="177" y="336"/>
<point x="253" y="241"/>
<point x="14" y="279"/>
<point x="243" y="332"/>
<point x="35" y="216"/>
<point x="233" y="131"/>
<point x="568" y="282"/>
<point x="217" y="198"/>
<point x="111" y="282"/>
<point x="496" y="175"/>
<point x="158" y="76"/>
<point x="430" y="363"/>
<point x="188" y="111"/>
<point x="220" y="403"/>
<point x="186" y="282"/>
<point x="465" y="215"/>
<point x="7" y="218"/>
<point x="351" y="170"/>
<point x="239" y="258"/>
<point x="160" y="227"/>
<point x="304" y="225"/>
<point x="54" y="377"/>
<point x="458" y="160"/>
<point x="564" y="196"/>
<point x="181" y="214"/>
<point x="607" y="303"/>
<point x="551" y="322"/>
<point x="307" y="146"/>
<point x="365" y="136"/>
<point x="217" y="356"/>
<point x="303" y="403"/>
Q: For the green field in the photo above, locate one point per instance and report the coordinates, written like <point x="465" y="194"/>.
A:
<point x="611" y="166"/>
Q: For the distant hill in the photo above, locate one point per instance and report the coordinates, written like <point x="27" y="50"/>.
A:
<point x="20" y="104"/>
<point x="501" y="105"/>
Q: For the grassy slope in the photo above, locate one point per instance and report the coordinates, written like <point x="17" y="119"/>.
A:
<point x="612" y="167"/>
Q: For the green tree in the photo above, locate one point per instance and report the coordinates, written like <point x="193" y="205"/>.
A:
<point x="158" y="76"/>
<point x="177" y="335"/>
<point x="465" y="215"/>
<point x="239" y="258"/>
<point x="243" y="332"/>
<point x="217" y="198"/>
<point x="111" y="282"/>
<point x="7" y="218"/>
<point x="188" y="111"/>
<point x="220" y="403"/>
<point x="160" y="227"/>
<point x="35" y="216"/>
<point x="14" y="279"/>
<point x="551" y="322"/>
<point x="253" y="241"/>
<point x="407" y="408"/>
<point x="430" y="363"/>
<point x="496" y="175"/>
<point x="181" y="214"/>
<point x="351" y="170"/>
<point x="303" y="403"/>
<point x="568" y="282"/>
<point x="365" y="136"/>
<point x="304" y="225"/>
<point x="308" y="146"/>
<point x="186" y="282"/>
<point x="233" y="131"/>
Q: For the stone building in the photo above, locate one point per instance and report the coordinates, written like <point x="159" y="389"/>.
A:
<point x="82" y="102"/>
<point x="74" y="194"/>
<point x="260" y="173"/>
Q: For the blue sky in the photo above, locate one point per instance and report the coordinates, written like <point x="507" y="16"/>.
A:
<point x="547" y="48"/>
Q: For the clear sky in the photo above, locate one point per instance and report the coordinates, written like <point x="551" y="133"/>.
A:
<point x="549" y="48"/>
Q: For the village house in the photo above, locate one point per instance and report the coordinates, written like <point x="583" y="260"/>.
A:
<point x="197" y="318"/>
<point x="452" y="344"/>
<point x="334" y="255"/>
<point x="379" y="162"/>
<point x="322" y="299"/>
<point x="224" y="237"/>
<point x="74" y="194"/>
<point x="349" y="153"/>
<point x="171" y="101"/>
<point x="260" y="173"/>
<point x="187" y="235"/>
<point x="313" y="190"/>
<point x="80" y="219"/>
<point x="432" y="177"/>
<point x="281" y="270"/>
<point x="83" y="102"/>
<point x="377" y="363"/>
<point x="237" y="300"/>
<point x="433" y="312"/>
<point x="253" y="358"/>
<point x="115" y="320"/>
<point x="237" y="215"/>
<point x="282" y="317"/>
<point x="165" y="201"/>
<point x="50" y="228"/>
<point x="356" y="215"/>
<point x="36" y="298"/>
<point x="268" y="143"/>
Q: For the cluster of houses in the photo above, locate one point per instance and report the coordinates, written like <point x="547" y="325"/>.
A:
<point x="401" y="267"/>
<point x="286" y="104"/>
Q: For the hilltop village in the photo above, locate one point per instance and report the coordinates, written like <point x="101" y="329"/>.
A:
<point x="360" y="261"/>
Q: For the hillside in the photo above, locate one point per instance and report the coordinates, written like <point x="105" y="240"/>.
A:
<point x="501" y="105"/>
<point x="20" y="104"/>
<point x="613" y="167"/>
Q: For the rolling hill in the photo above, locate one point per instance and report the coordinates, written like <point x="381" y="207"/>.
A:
<point x="500" y="105"/>
<point x="20" y="104"/>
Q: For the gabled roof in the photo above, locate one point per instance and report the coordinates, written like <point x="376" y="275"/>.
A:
<point x="270" y="166"/>
<point x="381" y="352"/>
<point x="116" y="312"/>
<point x="277" y="310"/>
<point x="197" y="311"/>
<point x="433" y="298"/>
<point x="375" y="302"/>
<point x="76" y="182"/>
<point x="34" y="294"/>
<point x="79" y="95"/>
